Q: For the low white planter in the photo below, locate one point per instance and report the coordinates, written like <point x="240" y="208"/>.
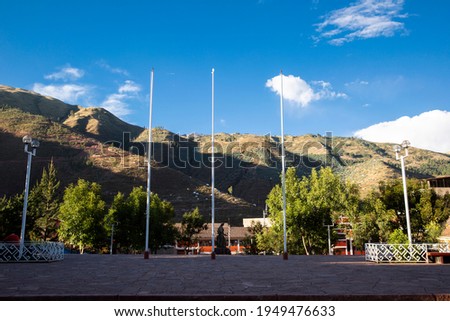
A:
<point x="402" y="253"/>
<point x="31" y="252"/>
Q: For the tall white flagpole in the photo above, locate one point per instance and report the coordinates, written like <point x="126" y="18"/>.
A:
<point x="213" y="253"/>
<point x="149" y="169"/>
<point x="283" y="170"/>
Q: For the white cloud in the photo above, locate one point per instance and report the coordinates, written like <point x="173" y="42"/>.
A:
<point x="69" y="93"/>
<point x="362" y="20"/>
<point x="129" y="87"/>
<point x="117" y="103"/>
<point x="429" y="130"/>
<point x="325" y="90"/>
<point x="298" y="91"/>
<point x="357" y="83"/>
<point x="65" y="74"/>
<point x="295" y="89"/>
<point x="103" y="64"/>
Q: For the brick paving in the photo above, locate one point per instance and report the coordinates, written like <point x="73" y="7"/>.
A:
<point x="130" y="277"/>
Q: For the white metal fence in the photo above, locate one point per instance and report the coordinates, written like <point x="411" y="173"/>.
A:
<point x="32" y="252"/>
<point x="380" y="252"/>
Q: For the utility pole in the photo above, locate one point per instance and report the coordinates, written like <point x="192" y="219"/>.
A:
<point x="283" y="170"/>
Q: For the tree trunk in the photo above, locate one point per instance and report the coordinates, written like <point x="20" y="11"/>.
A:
<point x="304" y="245"/>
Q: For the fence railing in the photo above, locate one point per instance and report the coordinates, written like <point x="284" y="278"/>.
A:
<point x="402" y="253"/>
<point x="31" y="252"/>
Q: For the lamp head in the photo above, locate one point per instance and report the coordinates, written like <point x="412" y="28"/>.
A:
<point x="34" y="143"/>
<point x="406" y="144"/>
<point x="397" y="148"/>
<point x="27" y="139"/>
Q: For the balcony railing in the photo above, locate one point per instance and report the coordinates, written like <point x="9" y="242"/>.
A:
<point x="402" y="253"/>
<point x="31" y="252"/>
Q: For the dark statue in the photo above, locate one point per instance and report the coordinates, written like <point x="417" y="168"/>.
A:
<point x="221" y="247"/>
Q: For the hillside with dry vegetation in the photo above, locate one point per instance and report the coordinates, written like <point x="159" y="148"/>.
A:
<point x="90" y="143"/>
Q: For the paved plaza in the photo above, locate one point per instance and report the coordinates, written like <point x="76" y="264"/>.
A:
<point x="130" y="277"/>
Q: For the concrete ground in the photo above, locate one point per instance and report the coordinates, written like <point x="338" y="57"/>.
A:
<point x="130" y="277"/>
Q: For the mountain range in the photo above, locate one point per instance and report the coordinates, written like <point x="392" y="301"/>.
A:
<point x="93" y="144"/>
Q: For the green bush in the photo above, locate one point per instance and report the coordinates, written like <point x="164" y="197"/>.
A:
<point x="398" y="237"/>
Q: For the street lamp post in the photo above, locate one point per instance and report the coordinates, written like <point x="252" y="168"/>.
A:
<point x="30" y="148"/>
<point x="330" y="252"/>
<point x="112" y="239"/>
<point x="398" y="148"/>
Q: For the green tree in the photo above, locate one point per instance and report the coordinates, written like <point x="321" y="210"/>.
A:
<point x="433" y="211"/>
<point x="432" y="231"/>
<point x="129" y="216"/>
<point x="192" y="223"/>
<point x="44" y="205"/>
<point x="383" y="213"/>
<point x="81" y="213"/>
<point x="398" y="237"/>
<point x="442" y="207"/>
<point x="391" y="194"/>
<point x="310" y="202"/>
<point x="385" y="220"/>
<point x="250" y="242"/>
<point x="117" y="213"/>
<point x="269" y="239"/>
<point x="162" y="225"/>
<point x="427" y="210"/>
<point x="10" y="215"/>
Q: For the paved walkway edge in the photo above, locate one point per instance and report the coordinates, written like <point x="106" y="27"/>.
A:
<point x="412" y="297"/>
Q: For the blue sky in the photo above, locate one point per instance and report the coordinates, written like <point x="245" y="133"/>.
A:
<point x="376" y="69"/>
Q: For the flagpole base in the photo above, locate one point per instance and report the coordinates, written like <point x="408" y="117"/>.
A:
<point x="213" y="255"/>
<point x="146" y="255"/>
<point x="285" y="255"/>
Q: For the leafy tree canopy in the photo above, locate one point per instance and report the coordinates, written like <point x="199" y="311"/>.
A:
<point x="311" y="202"/>
<point x="10" y="215"/>
<point x="191" y="224"/>
<point x="81" y="213"/>
<point x="128" y="214"/>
